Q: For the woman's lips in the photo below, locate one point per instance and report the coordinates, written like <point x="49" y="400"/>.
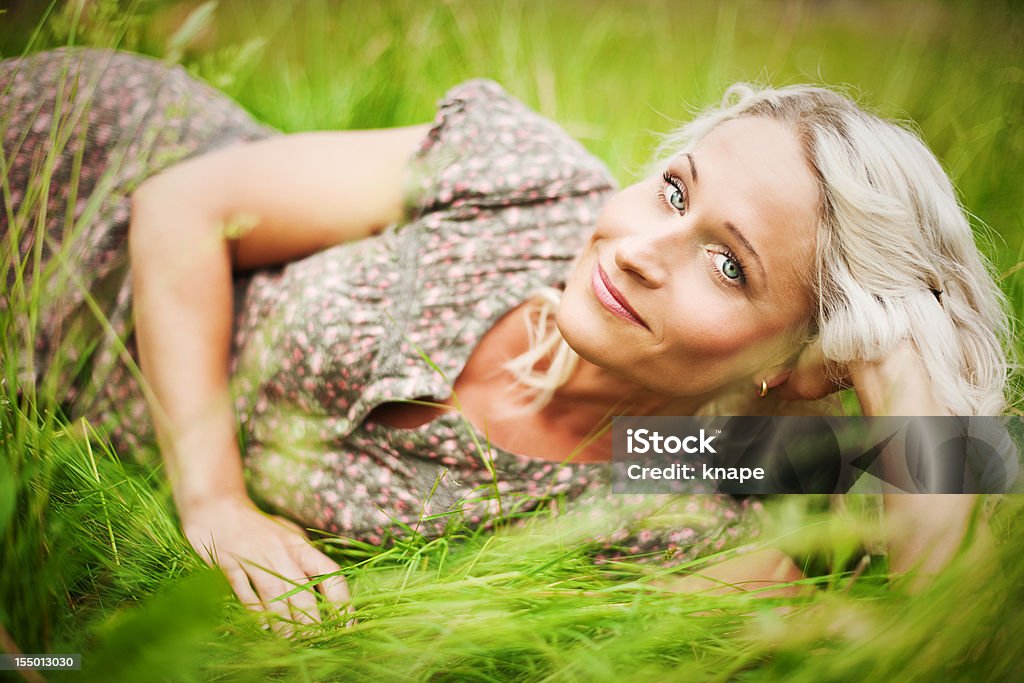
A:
<point x="611" y="298"/>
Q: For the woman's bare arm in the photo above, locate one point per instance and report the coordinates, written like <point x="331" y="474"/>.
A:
<point x="923" y="530"/>
<point x="769" y="571"/>
<point x="282" y="198"/>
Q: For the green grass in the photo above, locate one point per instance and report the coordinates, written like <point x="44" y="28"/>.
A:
<point x="92" y="557"/>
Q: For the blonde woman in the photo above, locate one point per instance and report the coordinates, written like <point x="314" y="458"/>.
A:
<point x="361" y="328"/>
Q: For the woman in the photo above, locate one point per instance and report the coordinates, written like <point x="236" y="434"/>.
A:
<point x="401" y="345"/>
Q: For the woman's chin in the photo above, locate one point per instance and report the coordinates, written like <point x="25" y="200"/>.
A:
<point x="581" y="339"/>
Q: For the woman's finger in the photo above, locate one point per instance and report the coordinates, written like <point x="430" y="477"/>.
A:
<point x="239" y="581"/>
<point x="334" y="587"/>
<point x="302" y="603"/>
<point x="269" y="587"/>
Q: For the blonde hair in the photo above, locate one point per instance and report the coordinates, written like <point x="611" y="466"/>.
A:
<point x="895" y="258"/>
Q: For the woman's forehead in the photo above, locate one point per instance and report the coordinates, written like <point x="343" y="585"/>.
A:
<point x="758" y="161"/>
<point x="752" y="172"/>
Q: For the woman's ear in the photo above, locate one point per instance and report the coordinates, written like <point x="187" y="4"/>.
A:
<point x="772" y="377"/>
<point x="811" y="377"/>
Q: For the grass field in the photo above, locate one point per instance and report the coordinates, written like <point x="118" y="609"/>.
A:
<point x="91" y="557"/>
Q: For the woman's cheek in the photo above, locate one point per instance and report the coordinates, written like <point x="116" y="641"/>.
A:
<point x="710" y="328"/>
<point x="627" y="211"/>
<point x="706" y="342"/>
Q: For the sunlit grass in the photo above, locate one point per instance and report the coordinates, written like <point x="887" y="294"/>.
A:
<point x="92" y="557"/>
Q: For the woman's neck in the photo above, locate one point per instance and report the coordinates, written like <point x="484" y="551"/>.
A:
<point x="592" y="395"/>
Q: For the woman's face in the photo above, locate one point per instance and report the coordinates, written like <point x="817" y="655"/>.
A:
<point x="696" y="280"/>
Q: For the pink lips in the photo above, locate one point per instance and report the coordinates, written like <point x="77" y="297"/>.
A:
<point x="611" y="298"/>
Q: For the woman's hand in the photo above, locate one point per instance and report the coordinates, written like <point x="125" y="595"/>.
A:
<point x="769" y="571"/>
<point x="245" y="542"/>
<point x="895" y="384"/>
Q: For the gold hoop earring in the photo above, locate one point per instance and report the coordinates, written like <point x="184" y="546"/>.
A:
<point x="764" y="388"/>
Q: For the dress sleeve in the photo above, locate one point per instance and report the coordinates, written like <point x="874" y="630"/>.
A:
<point x="486" y="148"/>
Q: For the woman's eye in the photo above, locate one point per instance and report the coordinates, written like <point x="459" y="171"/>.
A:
<point x="729" y="267"/>
<point x="675" y="198"/>
<point x="673" y="194"/>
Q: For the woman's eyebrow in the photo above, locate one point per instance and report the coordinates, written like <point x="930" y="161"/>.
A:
<point x="738" y="234"/>
<point x="729" y="225"/>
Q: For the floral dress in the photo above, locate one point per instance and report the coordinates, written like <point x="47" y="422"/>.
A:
<point x="499" y="202"/>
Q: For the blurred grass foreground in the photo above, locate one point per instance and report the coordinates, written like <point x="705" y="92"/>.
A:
<point x="91" y="558"/>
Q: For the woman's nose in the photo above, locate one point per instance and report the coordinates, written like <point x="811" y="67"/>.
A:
<point x="644" y="257"/>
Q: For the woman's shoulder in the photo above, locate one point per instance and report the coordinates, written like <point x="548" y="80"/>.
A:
<point x="487" y="111"/>
<point x="486" y="147"/>
<point x="474" y="88"/>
